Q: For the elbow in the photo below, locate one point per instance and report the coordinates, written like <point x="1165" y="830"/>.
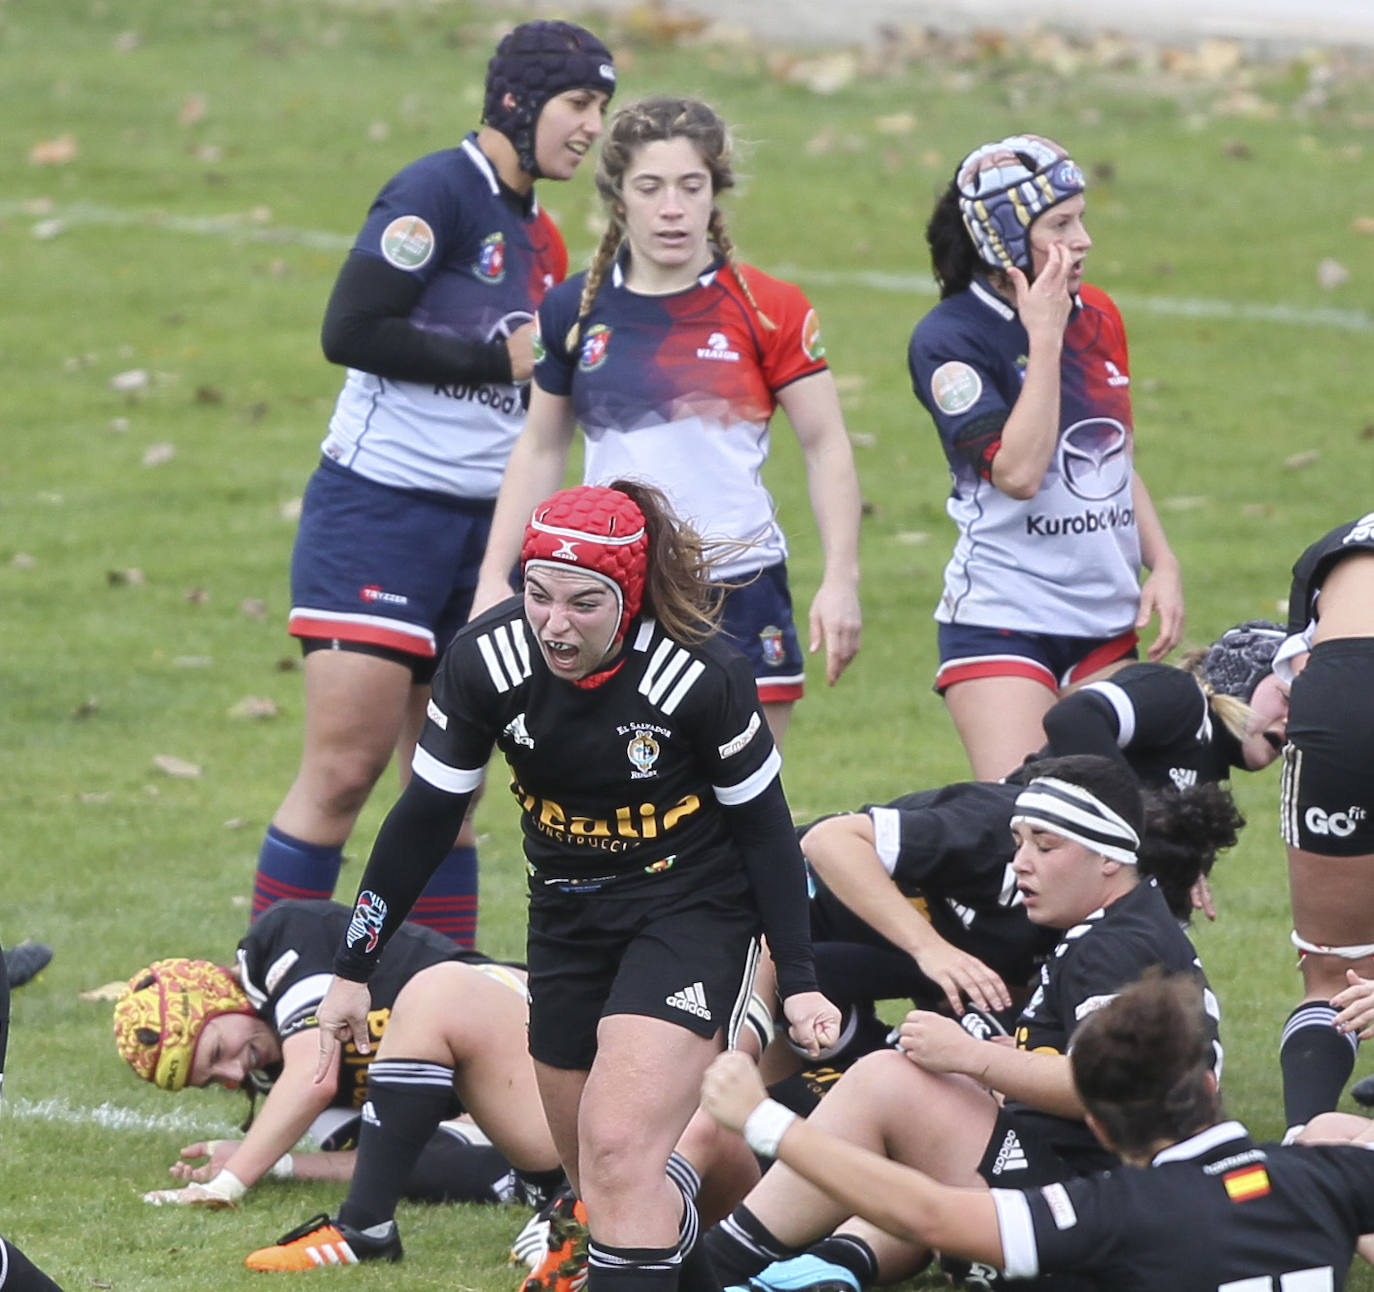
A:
<point x="334" y="341"/>
<point x="1020" y="486"/>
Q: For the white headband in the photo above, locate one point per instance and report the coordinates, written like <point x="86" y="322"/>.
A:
<point x="1051" y="804"/>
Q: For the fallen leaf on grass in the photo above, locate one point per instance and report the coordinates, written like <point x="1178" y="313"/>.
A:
<point x="1366" y="433"/>
<point x="1300" y="460"/>
<point x="287" y="664"/>
<point x="1363" y="224"/>
<point x="913" y="537"/>
<point x="119" y="425"/>
<point x="133" y="379"/>
<point x="93" y="798"/>
<point x="155" y="455"/>
<point x="133" y="577"/>
<point x="196" y="596"/>
<point x="47" y="230"/>
<point x="896" y="123"/>
<point x="192" y="110"/>
<point x="254" y="706"/>
<point x="86" y="708"/>
<point x="171" y="765"/>
<point x="1331" y="273"/>
<point x="54" y="152"/>
<point x="254" y="608"/>
<point x="106" y="991"/>
<point x="237" y="823"/>
<point x="290" y="510"/>
<point x="22" y="561"/>
<point x="1257" y="510"/>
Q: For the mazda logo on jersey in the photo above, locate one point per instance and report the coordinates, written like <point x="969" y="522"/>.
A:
<point x="622" y="829"/>
<point x="1093" y="458"/>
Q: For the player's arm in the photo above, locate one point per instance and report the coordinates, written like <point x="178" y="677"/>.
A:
<point x="1162" y="592"/>
<point x="294" y="1101"/>
<point x="367" y="325"/>
<point x="535" y="470"/>
<point x="1040" y="1078"/>
<point x="1031" y="431"/>
<point x="843" y="852"/>
<point x="812" y="405"/>
<point x="898" y="1199"/>
<point x="1088" y="722"/>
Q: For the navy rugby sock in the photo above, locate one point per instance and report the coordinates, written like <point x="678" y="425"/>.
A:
<point x="1316" y="1061"/>
<point x="290" y="868"/>
<point x="448" y="904"/>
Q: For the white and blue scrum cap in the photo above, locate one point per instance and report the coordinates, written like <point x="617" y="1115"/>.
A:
<point x="1004" y="185"/>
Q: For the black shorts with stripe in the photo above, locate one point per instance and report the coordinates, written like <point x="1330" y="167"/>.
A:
<point x="684" y="955"/>
<point x="1327" y="789"/>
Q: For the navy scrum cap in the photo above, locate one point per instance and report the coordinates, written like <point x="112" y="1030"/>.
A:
<point x="533" y="63"/>
<point x="1235" y="664"/>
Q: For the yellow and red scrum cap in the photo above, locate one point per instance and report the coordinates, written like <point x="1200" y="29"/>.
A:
<point x="162" y="1012"/>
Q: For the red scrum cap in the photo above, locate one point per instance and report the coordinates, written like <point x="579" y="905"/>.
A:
<point x="600" y="531"/>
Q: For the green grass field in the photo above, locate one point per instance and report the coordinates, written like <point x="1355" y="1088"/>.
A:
<point x="178" y="185"/>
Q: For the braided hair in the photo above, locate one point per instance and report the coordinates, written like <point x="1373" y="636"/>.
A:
<point x="656" y="120"/>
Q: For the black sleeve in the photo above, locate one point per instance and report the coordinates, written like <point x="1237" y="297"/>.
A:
<point x="367" y="326"/>
<point x="1083" y="723"/>
<point x="415" y="837"/>
<point x="767" y="839"/>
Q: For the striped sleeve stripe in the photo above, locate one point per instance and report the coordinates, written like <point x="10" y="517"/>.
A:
<point x="887" y="835"/>
<point x="751" y="786"/>
<point x="670" y="674"/>
<point x="452" y="780"/>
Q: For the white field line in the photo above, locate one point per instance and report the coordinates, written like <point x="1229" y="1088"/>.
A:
<point x="109" y="1116"/>
<point x="243" y="227"/>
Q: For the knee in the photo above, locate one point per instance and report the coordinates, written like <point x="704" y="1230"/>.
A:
<point x="617" y="1163"/>
<point x="342" y="779"/>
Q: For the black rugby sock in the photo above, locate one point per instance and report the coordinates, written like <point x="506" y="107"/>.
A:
<point x="406" y="1100"/>
<point x="631" y="1269"/>
<point x="740" y="1246"/>
<point x="1316" y="1061"/>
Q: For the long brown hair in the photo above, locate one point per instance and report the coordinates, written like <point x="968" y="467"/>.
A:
<point x="678" y="590"/>
<point x="656" y="120"/>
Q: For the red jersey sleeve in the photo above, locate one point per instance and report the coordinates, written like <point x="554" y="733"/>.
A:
<point x="793" y="348"/>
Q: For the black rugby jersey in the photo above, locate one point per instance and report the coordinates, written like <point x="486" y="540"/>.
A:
<point x="950" y="850"/>
<point x="1154" y="717"/>
<point x="1312" y="567"/>
<point x="1094" y="960"/>
<point x="286" y="962"/>
<point x="619" y="782"/>
<point x="1213" y="1213"/>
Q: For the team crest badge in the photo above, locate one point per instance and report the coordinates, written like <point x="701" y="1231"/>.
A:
<point x="642" y="752"/>
<point x="491" y="260"/>
<point x="771" y="641"/>
<point x="594" y="348"/>
<point x="408" y="242"/>
<point x="812" y="345"/>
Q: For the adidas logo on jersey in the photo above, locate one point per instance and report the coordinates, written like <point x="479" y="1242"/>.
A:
<point x="692" y="999"/>
<point x="517" y="731"/>
<point x="1011" y="1156"/>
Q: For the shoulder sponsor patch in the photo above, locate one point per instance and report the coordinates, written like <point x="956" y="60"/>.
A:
<point x="436" y="715"/>
<point x="812" y="345"/>
<point x="734" y="746"/>
<point x="955" y="387"/>
<point x="408" y="242"/>
<point x="1057" y="1199"/>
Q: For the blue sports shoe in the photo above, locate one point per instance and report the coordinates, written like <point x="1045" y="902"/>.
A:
<point x="804" y="1273"/>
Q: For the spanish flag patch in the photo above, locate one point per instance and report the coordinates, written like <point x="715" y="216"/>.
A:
<point x="1249" y="1182"/>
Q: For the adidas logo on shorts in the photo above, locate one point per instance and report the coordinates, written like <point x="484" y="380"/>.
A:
<point x="692" y="999"/>
<point x="1011" y="1156"/>
<point x="369" y="1114"/>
